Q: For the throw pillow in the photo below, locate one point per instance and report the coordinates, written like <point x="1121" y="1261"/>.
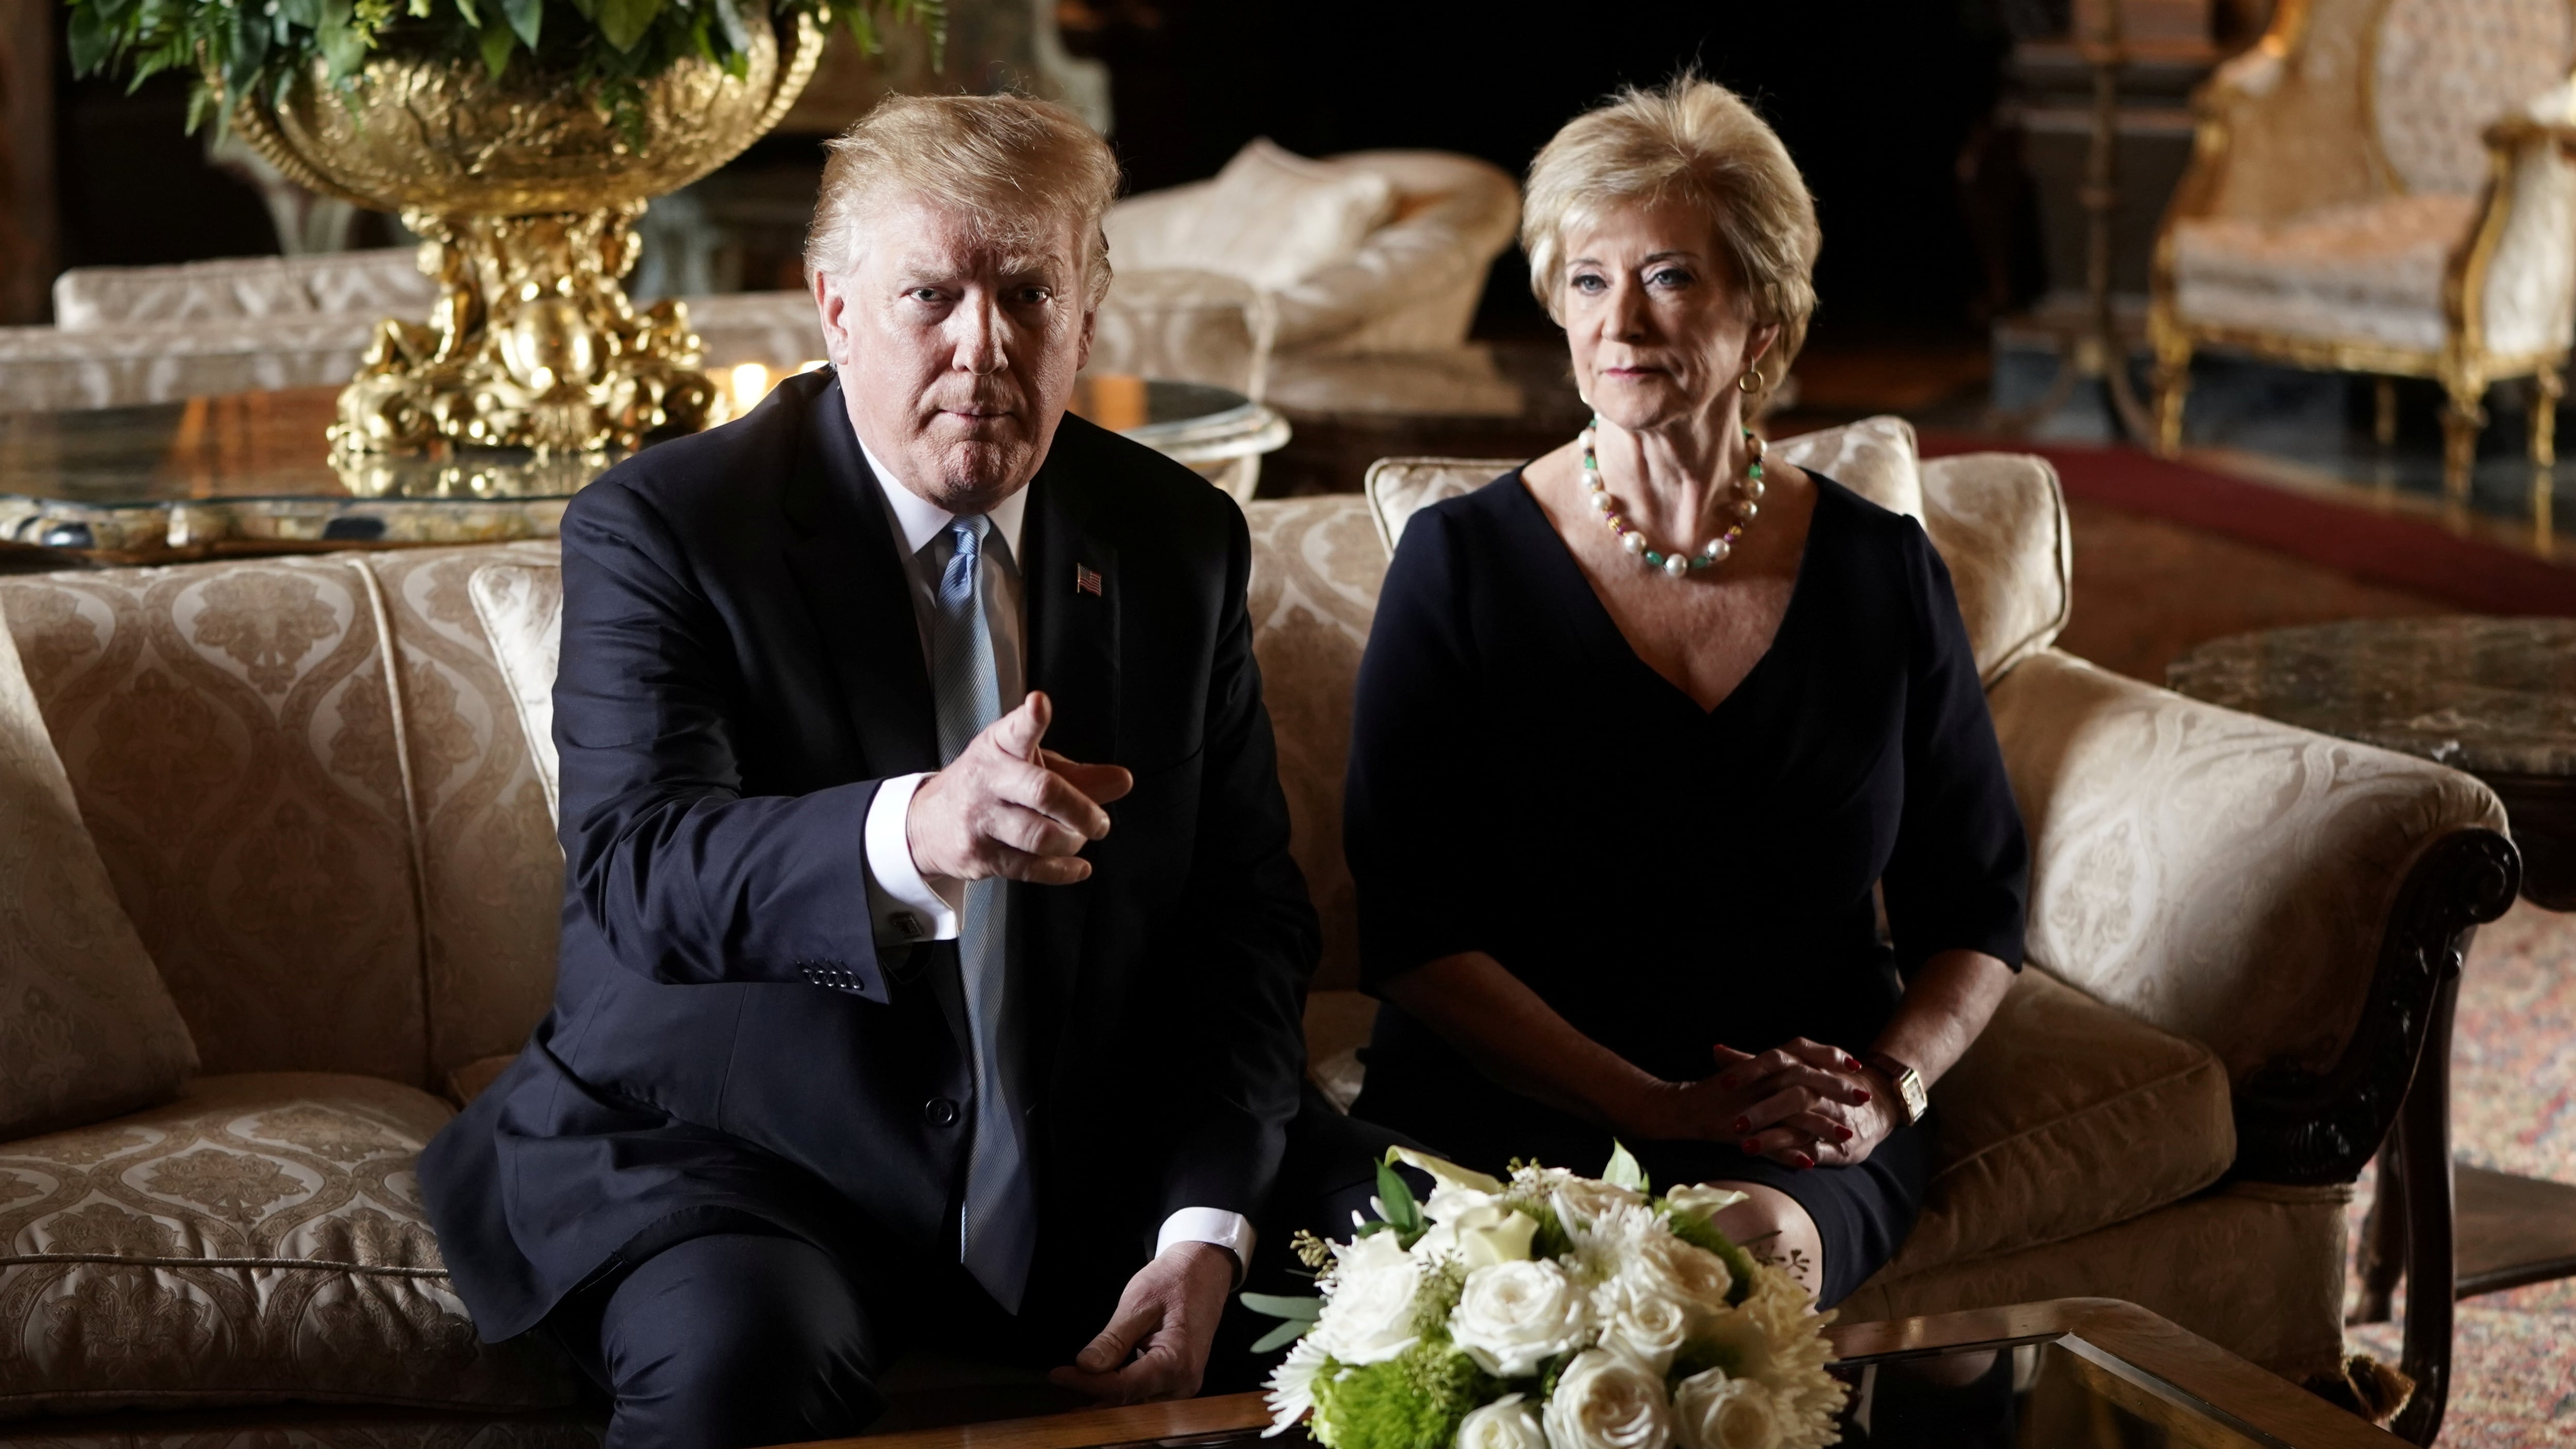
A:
<point x="87" y="1029"/>
<point x="1270" y="218"/>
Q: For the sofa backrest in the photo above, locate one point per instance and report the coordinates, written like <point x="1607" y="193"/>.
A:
<point x="373" y="283"/>
<point x="310" y="783"/>
<point x="315" y="800"/>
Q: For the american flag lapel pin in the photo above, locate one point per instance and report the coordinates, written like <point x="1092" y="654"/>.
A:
<point x="1086" y="580"/>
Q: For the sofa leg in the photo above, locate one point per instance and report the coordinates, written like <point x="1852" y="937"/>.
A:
<point x="2423" y="1142"/>
<point x="2463" y="415"/>
<point x="2547" y="389"/>
<point x="2173" y="383"/>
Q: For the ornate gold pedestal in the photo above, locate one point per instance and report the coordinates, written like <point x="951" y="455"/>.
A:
<point x="527" y="195"/>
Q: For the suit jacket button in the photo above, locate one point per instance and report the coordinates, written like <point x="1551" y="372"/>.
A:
<point x="939" y="1112"/>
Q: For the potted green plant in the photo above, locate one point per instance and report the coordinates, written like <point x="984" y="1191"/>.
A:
<point x="520" y="139"/>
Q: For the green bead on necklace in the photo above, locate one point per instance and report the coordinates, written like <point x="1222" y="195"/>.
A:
<point x="1676" y="565"/>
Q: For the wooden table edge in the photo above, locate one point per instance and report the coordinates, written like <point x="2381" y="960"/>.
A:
<point x="2132" y="1334"/>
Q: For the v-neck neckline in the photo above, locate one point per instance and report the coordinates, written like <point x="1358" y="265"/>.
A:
<point x="1592" y="620"/>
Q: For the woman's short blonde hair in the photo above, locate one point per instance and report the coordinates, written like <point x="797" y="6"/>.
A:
<point x="1695" y="142"/>
<point x="1018" y="167"/>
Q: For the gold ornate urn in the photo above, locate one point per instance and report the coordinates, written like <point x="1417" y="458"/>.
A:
<point x="527" y="194"/>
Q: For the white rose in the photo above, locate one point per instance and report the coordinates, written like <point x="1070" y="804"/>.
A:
<point x="1640" y="1320"/>
<point x="1713" y="1411"/>
<point x="1506" y="1423"/>
<point x="1448" y="1203"/>
<point x="1512" y="1317"/>
<point x="1693" y="1275"/>
<point x="1608" y="1400"/>
<point x="1369" y="1316"/>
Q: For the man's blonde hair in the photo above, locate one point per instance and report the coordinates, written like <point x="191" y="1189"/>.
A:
<point x="1017" y="167"/>
<point x="1695" y="142"/>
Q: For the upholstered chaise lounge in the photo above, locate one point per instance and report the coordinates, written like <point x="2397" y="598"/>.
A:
<point x="311" y="787"/>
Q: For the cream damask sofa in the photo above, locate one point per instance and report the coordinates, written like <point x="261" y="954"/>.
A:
<point x="311" y="787"/>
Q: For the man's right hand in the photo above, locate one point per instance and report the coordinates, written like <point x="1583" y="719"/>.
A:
<point x="1007" y="807"/>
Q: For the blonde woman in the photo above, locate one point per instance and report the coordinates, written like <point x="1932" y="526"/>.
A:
<point x="1644" y="723"/>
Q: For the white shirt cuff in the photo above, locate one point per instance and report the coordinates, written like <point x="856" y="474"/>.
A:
<point x="1213" y="1226"/>
<point x="904" y="904"/>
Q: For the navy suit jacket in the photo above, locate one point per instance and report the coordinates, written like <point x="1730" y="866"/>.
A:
<point x="729" y="1047"/>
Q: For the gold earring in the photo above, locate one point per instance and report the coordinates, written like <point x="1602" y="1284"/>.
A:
<point x="1748" y="382"/>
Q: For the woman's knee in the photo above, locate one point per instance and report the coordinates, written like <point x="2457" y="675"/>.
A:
<point x="1770" y="1225"/>
<point x="738" y="1339"/>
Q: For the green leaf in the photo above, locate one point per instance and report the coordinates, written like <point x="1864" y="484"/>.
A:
<point x="1623" y="1170"/>
<point x="343" y="48"/>
<point x="307" y="13"/>
<point x="1280" y="1305"/>
<point x="497" y="43"/>
<point x="623" y="22"/>
<point x="1280" y="1336"/>
<point x="729" y="20"/>
<point x="1395" y="1198"/>
<point x="524" y="17"/>
<point x="90" y="41"/>
<point x="473" y="17"/>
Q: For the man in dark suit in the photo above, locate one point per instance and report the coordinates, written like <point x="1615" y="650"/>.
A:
<point x="870" y="1030"/>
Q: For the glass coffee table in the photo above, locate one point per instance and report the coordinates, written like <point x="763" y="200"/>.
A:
<point x="251" y="473"/>
<point x="2075" y="1373"/>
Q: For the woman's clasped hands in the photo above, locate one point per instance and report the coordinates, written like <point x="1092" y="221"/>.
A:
<point x="1801" y="1104"/>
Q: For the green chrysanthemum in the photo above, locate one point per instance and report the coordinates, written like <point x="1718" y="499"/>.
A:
<point x="1412" y="1401"/>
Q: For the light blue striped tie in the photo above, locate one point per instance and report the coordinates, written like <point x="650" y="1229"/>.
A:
<point x="996" y="1233"/>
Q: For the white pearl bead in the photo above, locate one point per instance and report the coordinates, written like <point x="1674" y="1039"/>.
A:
<point x="1676" y="565"/>
<point x="1748" y="509"/>
<point x="1753" y="489"/>
<point x="1633" y="542"/>
<point x="1600" y="501"/>
<point x="1717" y="550"/>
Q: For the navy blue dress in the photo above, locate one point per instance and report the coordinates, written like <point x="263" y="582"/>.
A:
<point x="1668" y="877"/>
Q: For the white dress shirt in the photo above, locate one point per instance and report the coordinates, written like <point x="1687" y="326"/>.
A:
<point x="907" y="906"/>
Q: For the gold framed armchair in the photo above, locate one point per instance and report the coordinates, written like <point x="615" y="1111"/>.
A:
<point x="2384" y="187"/>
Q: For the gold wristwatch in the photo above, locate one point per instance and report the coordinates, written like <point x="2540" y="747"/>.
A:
<point x="1908" y="1082"/>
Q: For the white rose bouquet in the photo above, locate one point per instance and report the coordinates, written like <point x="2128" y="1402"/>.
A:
<point x="1549" y="1312"/>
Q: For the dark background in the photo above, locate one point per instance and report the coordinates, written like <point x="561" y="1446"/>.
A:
<point x="1879" y="101"/>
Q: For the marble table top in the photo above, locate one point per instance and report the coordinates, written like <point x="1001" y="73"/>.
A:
<point x="2489" y="696"/>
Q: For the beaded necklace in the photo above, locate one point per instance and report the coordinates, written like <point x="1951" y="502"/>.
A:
<point x="1675" y="565"/>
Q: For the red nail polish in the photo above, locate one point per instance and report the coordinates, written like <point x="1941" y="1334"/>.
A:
<point x="1743" y="1124"/>
<point x="1805" y="1162"/>
<point x="1748" y="1147"/>
<point x="1851" y="1063"/>
<point x="1842" y="1134"/>
<point x="1863" y="1094"/>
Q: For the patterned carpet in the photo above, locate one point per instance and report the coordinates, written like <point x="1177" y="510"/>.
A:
<point x="2513" y="1108"/>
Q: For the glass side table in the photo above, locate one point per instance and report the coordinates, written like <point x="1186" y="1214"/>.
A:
<point x="2072" y="1371"/>
<point x="251" y="473"/>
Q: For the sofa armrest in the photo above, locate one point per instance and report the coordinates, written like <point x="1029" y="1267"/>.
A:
<point x="2517" y="276"/>
<point x="2290" y="900"/>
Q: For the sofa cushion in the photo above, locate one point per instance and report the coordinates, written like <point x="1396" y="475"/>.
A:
<point x="520" y="605"/>
<point x="87" y="1030"/>
<point x="260" y="1239"/>
<point x="2065" y="1116"/>
<point x="2368" y="271"/>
